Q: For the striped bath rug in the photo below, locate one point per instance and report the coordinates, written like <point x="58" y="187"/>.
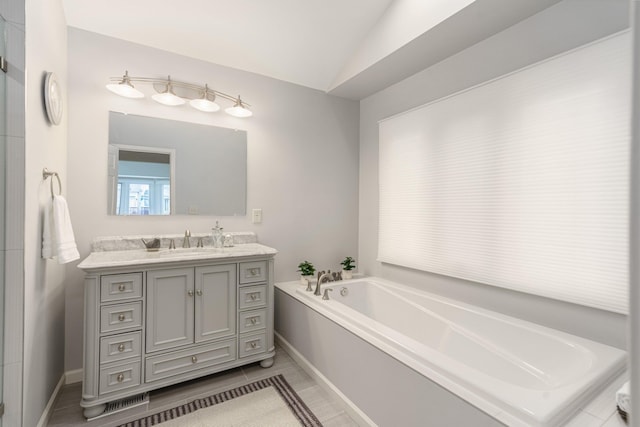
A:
<point x="268" y="402"/>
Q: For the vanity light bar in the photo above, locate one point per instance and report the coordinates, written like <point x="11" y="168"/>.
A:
<point x="200" y="97"/>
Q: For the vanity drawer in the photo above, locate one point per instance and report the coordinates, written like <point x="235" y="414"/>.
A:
<point x="252" y="344"/>
<point x="119" y="377"/>
<point x="118" y="317"/>
<point x="179" y="362"/>
<point x="120" y="347"/>
<point x="253" y="297"/>
<point x="252" y="272"/>
<point x="254" y="320"/>
<point x="119" y="287"/>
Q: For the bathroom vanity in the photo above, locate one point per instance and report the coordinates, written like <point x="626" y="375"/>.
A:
<point x="152" y="319"/>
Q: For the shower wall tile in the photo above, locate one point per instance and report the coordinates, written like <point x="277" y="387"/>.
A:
<point x="14" y="301"/>
<point x="15" y="172"/>
<point x="15" y="83"/>
<point x="3" y="321"/>
<point x="13" y="11"/>
<point x="12" y="394"/>
<point x="3" y="94"/>
<point x="13" y="163"/>
<point x="3" y="204"/>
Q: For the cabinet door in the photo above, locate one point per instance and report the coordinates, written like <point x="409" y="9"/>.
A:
<point x="170" y="296"/>
<point x="215" y="310"/>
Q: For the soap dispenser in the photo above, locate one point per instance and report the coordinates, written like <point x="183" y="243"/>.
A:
<point x="217" y="236"/>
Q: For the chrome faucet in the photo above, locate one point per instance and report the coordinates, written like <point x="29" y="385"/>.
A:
<point x="185" y="242"/>
<point x="322" y="278"/>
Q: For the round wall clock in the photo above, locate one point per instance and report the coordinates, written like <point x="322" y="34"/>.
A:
<point x="53" y="98"/>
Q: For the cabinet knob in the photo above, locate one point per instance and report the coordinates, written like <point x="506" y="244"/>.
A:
<point x="190" y="292"/>
<point x="254" y="271"/>
<point x="194" y="359"/>
<point x="120" y="378"/>
<point x="121" y="287"/>
<point x="199" y="292"/>
<point x="121" y="317"/>
<point x="253" y="344"/>
<point x="253" y="297"/>
<point x="121" y="348"/>
<point x="253" y="320"/>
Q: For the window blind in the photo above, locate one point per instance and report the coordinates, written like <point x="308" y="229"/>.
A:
<point x="521" y="182"/>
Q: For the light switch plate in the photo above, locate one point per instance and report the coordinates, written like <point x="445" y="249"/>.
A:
<point x="256" y="216"/>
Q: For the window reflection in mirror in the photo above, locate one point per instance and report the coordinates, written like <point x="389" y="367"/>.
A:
<point x="144" y="182"/>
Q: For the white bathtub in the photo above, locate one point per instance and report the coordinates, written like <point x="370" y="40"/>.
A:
<point x="518" y="372"/>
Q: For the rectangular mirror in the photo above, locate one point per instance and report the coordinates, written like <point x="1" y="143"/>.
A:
<point x="167" y="167"/>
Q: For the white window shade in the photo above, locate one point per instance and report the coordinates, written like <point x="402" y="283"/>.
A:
<point x="521" y="182"/>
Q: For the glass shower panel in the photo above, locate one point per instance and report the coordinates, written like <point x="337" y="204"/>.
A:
<point x="3" y="145"/>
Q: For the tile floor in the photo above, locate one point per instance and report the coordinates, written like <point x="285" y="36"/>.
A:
<point x="67" y="411"/>
<point x="601" y="411"/>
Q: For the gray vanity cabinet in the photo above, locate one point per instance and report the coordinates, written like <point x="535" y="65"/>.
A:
<point x="215" y="302"/>
<point x="156" y="324"/>
<point x="190" y="305"/>
<point x="170" y="308"/>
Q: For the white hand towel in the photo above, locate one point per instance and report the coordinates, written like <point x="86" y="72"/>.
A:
<point x="623" y="397"/>
<point x="58" y="240"/>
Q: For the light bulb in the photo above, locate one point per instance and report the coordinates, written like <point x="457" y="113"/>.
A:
<point x="205" y="105"/>
<point x="125" y="88"/>
<point x="239" y="110"/>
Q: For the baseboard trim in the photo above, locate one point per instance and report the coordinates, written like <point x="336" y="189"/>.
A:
<point x="48" y="410"/>
<point x="71" y="377"/>
<point x="350" y="408"/>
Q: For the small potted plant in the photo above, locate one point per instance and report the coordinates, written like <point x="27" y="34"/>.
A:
<point x="307" y="271"/>
<point x="347" y="266"/>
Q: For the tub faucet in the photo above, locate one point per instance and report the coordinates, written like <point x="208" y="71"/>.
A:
<point x="322" y="278"/>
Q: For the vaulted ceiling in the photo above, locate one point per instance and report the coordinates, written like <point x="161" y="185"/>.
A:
<point x="349" y="48"/>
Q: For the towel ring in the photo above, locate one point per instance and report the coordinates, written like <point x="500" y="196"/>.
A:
<point x="47" y="174"/>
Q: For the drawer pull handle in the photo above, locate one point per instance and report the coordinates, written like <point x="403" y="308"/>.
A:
<point x="253" y="344"/>
<point x="120" y="378"/>
<point x="254" y="271"/>
<point x="121" y="317"/>
<point x="199" y="292"/>
<point x="121" y="348"/>
<point x="190" y="292"/>
<point x="253" y="296"/>
<point x="254" y="320"/>
<point x="194" y="359"/>
<point x="121" y="287"/>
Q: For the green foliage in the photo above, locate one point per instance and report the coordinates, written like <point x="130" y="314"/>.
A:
<point x="348" y="264"/>
<point x="306" y="268"/>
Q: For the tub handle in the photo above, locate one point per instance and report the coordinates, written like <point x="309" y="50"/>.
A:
<point x="344" y="292"/>
<point x="326" y="294"/>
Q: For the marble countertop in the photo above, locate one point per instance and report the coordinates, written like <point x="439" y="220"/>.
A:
<point x="134" y="257"/>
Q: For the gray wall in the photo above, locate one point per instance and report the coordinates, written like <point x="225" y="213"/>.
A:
<point x="302" y="160"/>
<point x="45" y="146"/>
<point x="561" y="27"/>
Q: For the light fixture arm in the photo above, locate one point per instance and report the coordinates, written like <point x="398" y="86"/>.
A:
<point x="168" y="82"/>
